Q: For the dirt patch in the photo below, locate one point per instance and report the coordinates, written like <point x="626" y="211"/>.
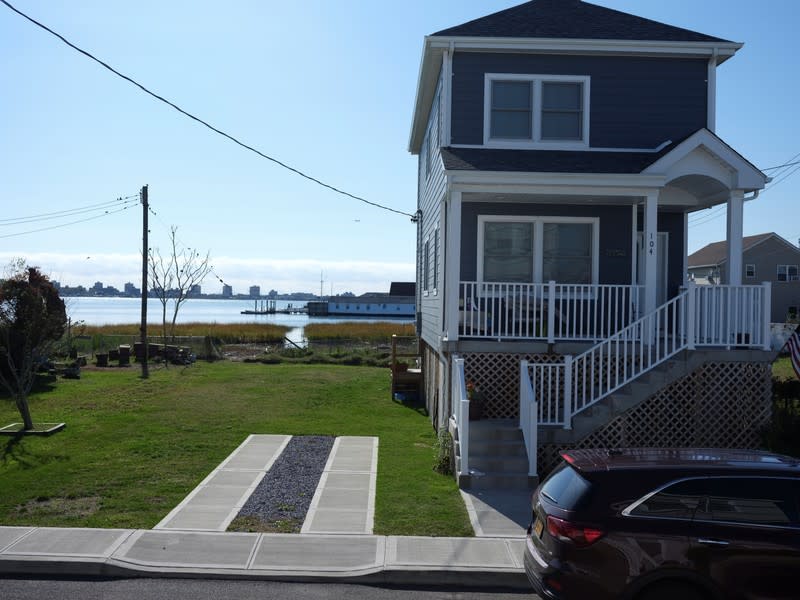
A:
<point x="254" y="524"/>
<point x="240" y="352"/>
<point x="65" y="507"/>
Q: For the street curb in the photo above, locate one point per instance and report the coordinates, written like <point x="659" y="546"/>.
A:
<point x="472" y="578"/>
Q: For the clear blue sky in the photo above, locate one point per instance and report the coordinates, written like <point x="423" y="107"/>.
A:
<point x="325" y="86"/>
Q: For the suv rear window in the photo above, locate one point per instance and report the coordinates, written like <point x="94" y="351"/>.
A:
<point x="565" y="487"/>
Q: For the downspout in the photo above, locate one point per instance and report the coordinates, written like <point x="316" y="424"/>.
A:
<point x="711" y="109"/>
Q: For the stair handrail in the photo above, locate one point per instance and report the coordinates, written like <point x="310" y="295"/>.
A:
<point x="461" y="409"/>
<point x="528" y="417"/>
<point x="660" y="335"/>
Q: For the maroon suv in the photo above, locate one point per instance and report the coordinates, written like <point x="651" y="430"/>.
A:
<point x="679" y="524"/>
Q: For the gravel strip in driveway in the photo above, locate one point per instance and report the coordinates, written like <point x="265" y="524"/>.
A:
<point x="282" y="498"/>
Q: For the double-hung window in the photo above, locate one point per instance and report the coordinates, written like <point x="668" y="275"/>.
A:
<point x="537" y="249"/>
<point x="536" y="110"/>
<point x="787" y="273"/>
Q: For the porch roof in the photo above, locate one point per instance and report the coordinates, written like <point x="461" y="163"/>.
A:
<point x="548" y="161"/>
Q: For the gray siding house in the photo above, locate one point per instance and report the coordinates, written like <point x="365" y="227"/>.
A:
<point x="765" y="257"/>
<point x="562" y="147"/>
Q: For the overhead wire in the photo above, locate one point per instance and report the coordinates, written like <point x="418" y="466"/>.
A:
<point x="201" y="121"/>
<point x="181" y="242"/>
<point x="64" y="213"/>
<point x="104" y="214"/>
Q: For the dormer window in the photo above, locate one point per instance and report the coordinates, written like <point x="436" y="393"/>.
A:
<point x="535" y="111"/>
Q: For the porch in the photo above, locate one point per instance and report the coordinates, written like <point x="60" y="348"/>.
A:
<point x="582" y="393"/>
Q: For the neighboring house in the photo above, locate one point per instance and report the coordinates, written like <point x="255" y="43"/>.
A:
<point x="765" y="257"/>
<point x="562" y="147"/>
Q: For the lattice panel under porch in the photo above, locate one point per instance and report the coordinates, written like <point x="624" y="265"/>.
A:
<point x="720" y="405"/>
<point x="497" y="376"/>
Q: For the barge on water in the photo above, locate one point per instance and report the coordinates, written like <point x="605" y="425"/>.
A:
<point x="399" y="302"/>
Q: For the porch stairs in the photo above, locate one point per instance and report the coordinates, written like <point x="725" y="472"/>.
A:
<point x="685" y="362"/>
<point x="497" y="457"/>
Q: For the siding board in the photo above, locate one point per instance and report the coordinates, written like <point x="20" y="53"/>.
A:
<point x="636" y="102"/>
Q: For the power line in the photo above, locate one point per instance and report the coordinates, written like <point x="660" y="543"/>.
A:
<point x="201" y="121"/>
<point x="105" y="214"/>
<point x="64" y="213"/>
<point x="182" y="243"/>
<point x="788" y="164"/>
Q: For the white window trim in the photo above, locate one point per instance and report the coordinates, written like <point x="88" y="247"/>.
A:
<point x="536" y="141"/>
<point x="436" y="273"/>
<point x="786" y="269"/>
<point x="538" y="240"/>
<point x="746" y="267"/>
<point x="426" y="259"/>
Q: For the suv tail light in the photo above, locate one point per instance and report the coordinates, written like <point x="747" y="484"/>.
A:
<point x="570" y="532"/>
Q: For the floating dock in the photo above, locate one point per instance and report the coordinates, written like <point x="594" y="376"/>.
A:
<point x="269" y="307"/>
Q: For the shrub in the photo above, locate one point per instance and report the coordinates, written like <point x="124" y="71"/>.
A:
<point x="444" y="453"/>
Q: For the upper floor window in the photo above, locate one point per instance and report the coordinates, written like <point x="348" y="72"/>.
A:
<point x="749" y="271"/>
<point x="787" y="273"/>
<point x="536" y="110"/>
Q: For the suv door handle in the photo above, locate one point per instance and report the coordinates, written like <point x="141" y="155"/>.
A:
<point x="710" y="542"/>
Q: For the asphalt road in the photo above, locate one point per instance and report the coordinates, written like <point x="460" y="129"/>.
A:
<point x="205" y="589"/>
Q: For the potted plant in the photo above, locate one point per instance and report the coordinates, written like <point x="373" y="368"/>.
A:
<point x="476" y="401"/>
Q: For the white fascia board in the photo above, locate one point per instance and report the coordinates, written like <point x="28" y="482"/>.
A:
<point x="633" y="185"/>
<point x="749" y="177"/>
<point x="429" y="67"/>
<point x="724" y="50"/>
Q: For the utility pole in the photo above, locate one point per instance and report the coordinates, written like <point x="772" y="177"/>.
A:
<point x="145" y="257"/>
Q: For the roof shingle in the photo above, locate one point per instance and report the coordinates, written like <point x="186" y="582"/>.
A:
<point x="572" y="19"/>
<point x="547" y="161"/>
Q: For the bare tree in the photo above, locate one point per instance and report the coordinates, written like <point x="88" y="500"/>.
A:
<point x="32" y="320"/>
<point x="173" y="276"/>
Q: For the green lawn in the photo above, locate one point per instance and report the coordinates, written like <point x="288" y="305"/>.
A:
<point x="133" y="449"/>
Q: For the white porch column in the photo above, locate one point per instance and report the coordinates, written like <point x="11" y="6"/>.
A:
<point x="452" y="278"/>
<point x="650" y="251"/>
<point x="735" y="219"/>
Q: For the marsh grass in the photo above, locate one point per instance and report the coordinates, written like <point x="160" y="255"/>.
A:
<point x="225" y="333"/>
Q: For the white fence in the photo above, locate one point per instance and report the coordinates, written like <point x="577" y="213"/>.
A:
<point x="458" y="386"/>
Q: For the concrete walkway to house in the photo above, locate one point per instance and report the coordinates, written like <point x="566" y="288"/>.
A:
<point x="335" y="544"/>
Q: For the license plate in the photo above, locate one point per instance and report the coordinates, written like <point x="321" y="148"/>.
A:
<point x="538" y="527"/>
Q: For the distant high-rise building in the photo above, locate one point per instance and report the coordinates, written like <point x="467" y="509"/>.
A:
<point x="98" y="286"/>
<point x="227" y="291"/>
<point x="255" y="291"/>
<point x="195" y="290"/>
<point x="131" y="290"/>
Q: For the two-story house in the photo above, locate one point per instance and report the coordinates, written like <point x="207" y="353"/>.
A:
<point x="562" y="147"/>
<point x="765" y="257"/>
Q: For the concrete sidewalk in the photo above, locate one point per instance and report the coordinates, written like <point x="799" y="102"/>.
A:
<point x="336" y="542"/>
<point x="467" y="562"/>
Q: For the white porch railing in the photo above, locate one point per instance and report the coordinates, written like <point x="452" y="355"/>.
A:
<point x="709" y="316"/>
<point x="528" y="417"/>
<point x="460" y="418"/>
<point x="546" y="311"/>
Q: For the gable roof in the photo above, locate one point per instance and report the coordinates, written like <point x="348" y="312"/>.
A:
<point x="572" y="19"/>
<point x="716" y="253"/>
